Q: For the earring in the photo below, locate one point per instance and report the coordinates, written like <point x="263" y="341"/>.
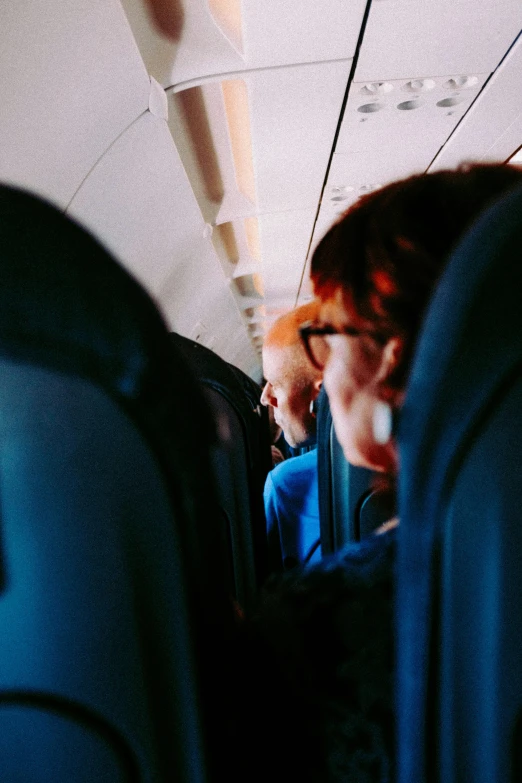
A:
<point x="382" y="422"/>
<point x="313" y="408"/>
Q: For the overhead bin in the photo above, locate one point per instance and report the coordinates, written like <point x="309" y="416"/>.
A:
<point x="259" y="142"/>
<point x="223" y="36"/>
<point x="255" y="148"/>
<point x="72" y="81"/>
<point x="431" y="39"/>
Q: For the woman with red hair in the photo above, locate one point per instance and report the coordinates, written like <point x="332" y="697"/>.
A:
<point x="323" y="637"/>
<point x="373" y="273"/>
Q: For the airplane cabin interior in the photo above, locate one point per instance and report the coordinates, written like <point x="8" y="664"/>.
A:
<point x="167" y="168"/>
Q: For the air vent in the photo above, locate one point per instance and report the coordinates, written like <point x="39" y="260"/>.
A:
<point x="461" y="82"/>
<point x="409" y="105"/>
<point x="351" y="192"/>
<point x="376" y="88"/>
<point x="453" y="101"/>
<point x="370" y="108"/>
<point x="342" y="193"/>
<point x="420" y="85"/>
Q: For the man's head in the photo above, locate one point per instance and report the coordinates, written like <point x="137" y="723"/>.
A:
<point x="292" y="383"/>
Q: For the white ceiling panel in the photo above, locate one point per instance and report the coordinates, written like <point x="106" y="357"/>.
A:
<point x="354" y="174"/>
<point x="490" y="127"/>
<point x="295" y="112"/>
<point x="285" y="238"/>
<point x="222" y="36"/>
<point x="138" y="201"/>
<point x="505" y="145"/>
<point x="404" y="38"/>
<point x="301" y="31"/>
<point x="358" y="170"/>
<point x="72" y="81"/>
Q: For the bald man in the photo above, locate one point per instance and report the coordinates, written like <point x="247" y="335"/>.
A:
<point x="292" y="383"/>
<point x="291" y="491"/>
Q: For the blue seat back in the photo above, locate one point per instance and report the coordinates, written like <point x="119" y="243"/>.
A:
<point x="460" y="543"/>
<point x="241" y="460"/>
<point x="111" y="576"/>
<point x="349" y="507"/>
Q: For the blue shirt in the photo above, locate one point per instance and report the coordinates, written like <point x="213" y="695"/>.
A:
<point x="292" y="509"/>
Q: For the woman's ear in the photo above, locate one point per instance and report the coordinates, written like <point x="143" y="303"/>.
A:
<point x="317" y="386"/>
<point x="391" y="356"/>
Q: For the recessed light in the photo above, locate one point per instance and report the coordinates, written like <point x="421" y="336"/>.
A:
<point x="420" y="85"/>
<point x="409" y="105"/>
<point x="376" y="88"/>
<point x="370" y="108"/>
<point x="445" y="102"/>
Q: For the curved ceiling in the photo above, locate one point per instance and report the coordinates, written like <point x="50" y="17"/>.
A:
<point x="212" y="163"/>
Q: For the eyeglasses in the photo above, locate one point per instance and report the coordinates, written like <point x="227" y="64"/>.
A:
<point x="318" y="348"/>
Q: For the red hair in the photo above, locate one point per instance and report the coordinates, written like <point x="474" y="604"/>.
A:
<point x="388" y="250"/>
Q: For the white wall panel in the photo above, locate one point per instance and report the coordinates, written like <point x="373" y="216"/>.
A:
<point x="139" y="202"/>
<point x="71" y="80"/>
<point x="420" y="38"/>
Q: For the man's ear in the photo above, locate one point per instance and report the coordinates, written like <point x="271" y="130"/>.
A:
<point x="391" y="356"/>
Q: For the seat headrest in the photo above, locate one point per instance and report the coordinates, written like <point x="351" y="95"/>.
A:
<point x="469" y="343"/>
<point x="470" y="348"/>
<point x="66" y="303"/>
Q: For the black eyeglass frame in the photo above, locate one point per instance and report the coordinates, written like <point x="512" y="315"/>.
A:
<point x="310" y="328"/>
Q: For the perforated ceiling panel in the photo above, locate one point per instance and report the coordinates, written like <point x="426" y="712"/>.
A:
<point x="493" y="128"/>
<point x="421" y="68"/>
